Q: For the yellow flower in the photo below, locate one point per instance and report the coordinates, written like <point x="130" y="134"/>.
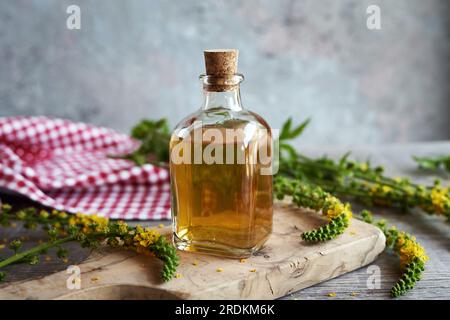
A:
<point x="100" y="222"/>
<point x="373" y="190"/>
<point x="123" y="227"/>
<point x="409" y="191"/>
<point x="43" y="214"/>
<point x="386" y="189"/>
<point x="88" y="223"/>
<point x="337" y="208"/>
<point x="440" y="199"/>
<point x="348" y="211"/>
<point x="72" y="221"/>
<point x="145" y="237"/>
<point x="409" y="249"/>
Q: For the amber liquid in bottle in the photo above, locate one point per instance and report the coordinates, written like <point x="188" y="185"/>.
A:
<point x="221" y="207"/>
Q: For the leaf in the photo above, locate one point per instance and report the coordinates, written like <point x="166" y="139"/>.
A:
<point x="426" y="163"/>
<point x="143" y="128"/>
<point x="286" y="129"/>
<point x="433" y="163"/>
<point x="298" y="131"/>
<point x="287" y="133"/>
<point x="154" y="136"/>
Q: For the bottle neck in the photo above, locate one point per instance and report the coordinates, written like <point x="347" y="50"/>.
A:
<point x="227" y="99"/>
<point x="222" y="91"/>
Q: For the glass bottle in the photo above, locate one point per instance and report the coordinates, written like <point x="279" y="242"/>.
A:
<point x="220" y="164"/>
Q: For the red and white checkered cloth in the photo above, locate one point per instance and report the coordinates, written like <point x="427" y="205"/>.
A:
<point x="66" y="165"/>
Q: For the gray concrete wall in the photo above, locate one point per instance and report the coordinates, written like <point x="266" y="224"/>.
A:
<point x="135" y="59"/>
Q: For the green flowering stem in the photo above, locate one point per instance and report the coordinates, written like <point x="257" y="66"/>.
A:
<point x="412" y="254"/>
<point x="331" y="168"/>
<point x="20" y="256"/>
<point x="412" y="273"/>
<point x="328" y="231"/>
<point x="88" y="231"/>
<point x="363" y="182"/>
<point x="167" y="253"/>
<point x="360" y="180"/>
<point x="313" y="197"/>
<point x="32" y="218"/>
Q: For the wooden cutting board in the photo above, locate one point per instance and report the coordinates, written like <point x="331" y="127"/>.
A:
<point x="285" y="264"/>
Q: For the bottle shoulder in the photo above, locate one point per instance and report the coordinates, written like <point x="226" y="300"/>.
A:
<point x="222" y="118"/>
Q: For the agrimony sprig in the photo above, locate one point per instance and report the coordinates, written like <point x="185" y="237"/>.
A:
<point x="89" y="231"/>
<point x="412" y="255"/>
<point x="362" y="181"/>
<point x="303" y="195"/>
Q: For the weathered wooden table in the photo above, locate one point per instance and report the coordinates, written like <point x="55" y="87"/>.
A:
<point x="432" y="232"/>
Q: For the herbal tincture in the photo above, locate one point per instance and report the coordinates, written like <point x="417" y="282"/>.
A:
<point x="220" y="168"/>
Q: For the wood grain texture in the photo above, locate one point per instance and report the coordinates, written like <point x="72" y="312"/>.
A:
<point x="284" y="265"/>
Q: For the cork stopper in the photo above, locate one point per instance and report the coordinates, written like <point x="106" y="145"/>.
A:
<point x="221" y="70"/>
<point x="219" y="62"/>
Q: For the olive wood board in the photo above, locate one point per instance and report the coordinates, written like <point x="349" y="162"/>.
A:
<point x="284" y="265"/>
